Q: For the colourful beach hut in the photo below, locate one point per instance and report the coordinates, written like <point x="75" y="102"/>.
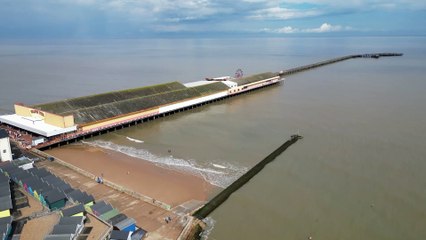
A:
<point x="42" y="200"/>
<point x="74" y="211"/>
<point x="120" y="235"/>
<point x="123" y="223"/>
<point x="109" y="214"/>
<point x="100" y="208"/>
<point x="127" y="225"/>
<point x="55" y="199"/>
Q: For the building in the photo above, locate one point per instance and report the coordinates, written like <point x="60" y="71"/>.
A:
<point x="5" y="197"/>
<point x="68" y="119"/>
<point x="5" y="150"/>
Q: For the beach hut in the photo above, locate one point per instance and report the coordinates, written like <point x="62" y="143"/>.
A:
<point x="64" y="231"/>
<point x="24" y="163"/>
<point x="67" y="228"/>
<point x="58" y="183"/>
<point x="5" y="227"/>
<point x="42" y="200"/>
<point x="138" y="234"/>
<point x="110" y="214"/>
<point x="127" y="225"/>
<point x="61" y="186"/>
<point x="120" y="235"/>
<point x="74" y="211"/>
<point x="55" y="199"/>
<point x="64" y="187"/>
<point x="59" y="237"/>
<point x="39" y="172"/>
<point x="78" y="196"/>
<point x="77" y="221"/>
<point x="5" y="206"/>
<point x="123" y="223"/>
<point x="120" y="217"/>
<point x="101" y="208"/>
<point x="5" y="197"/>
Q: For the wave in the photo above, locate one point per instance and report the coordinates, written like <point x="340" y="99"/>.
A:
<point x="134" y="140"/>
<point x="222" y="174"/>
<point x="218" y="165"/>
<point x="210" y="223"/>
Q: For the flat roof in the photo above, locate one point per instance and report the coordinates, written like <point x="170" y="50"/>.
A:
<point x="198" y="83"/>
<point x="35" y="125"/>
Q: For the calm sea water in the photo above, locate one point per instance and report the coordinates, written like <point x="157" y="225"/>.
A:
<point x="359" y="173"/>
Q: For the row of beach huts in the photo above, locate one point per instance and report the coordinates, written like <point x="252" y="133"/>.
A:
<point x="58" y="196"/>
<point x="5" y="207"/>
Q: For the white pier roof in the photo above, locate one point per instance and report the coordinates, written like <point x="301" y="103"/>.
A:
<point x="198" y="83"/>
<point x="35" y="125"/>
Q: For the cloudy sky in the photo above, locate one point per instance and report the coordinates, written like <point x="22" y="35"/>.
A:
<point x="145" y="18"/>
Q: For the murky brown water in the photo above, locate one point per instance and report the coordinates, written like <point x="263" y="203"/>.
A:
<point x="359" y="173"/>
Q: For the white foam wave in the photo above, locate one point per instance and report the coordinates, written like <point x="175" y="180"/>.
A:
<point x="134" y="140"/>
<point x="218" y="165"/>
<point x="210" y="223"/>
<point x="227" y="174"/>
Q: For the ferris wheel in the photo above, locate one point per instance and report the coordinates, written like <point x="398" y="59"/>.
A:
<point x="239" y="73"/>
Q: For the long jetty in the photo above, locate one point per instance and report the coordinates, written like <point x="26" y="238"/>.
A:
<point x="79" y="135"/>
<point x="204" y="211"/>
<point x="335" y="60"/>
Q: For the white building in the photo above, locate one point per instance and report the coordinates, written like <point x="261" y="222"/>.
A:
<point x="5" y="151"/>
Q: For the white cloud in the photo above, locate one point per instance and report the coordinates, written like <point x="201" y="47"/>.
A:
<point x="347" y="4"/>
<point x="283" y="13"/>
<point x="324" y="28"/>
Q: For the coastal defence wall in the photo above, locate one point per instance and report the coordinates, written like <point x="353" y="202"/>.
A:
<point x="204" y="211"/>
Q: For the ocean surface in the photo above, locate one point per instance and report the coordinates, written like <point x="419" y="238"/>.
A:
<point x="359" y="172"/>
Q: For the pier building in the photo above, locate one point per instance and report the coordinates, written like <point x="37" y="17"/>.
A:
<point x="69" y="119"/>
<point x="62" y="122"/>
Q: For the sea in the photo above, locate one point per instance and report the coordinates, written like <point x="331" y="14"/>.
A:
<point x="358" y="173"/>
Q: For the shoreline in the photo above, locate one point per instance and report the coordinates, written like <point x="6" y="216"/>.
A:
<point x="166" y="185"/>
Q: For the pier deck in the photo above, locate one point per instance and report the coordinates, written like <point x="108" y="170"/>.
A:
<point x="102" y="113"/>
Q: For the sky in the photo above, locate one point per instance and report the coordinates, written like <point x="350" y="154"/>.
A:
<point x="168" y="18"/>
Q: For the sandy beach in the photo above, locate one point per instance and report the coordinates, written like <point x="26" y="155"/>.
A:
<point x="168" y="186"/>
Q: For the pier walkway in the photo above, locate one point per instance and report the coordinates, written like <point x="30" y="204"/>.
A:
<point x="335" y="60"/>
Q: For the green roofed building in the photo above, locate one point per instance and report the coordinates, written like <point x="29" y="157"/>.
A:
<point x="70" y="118"/>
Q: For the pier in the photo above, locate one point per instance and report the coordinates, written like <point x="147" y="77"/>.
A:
<point x="51" y="125"/>
<point x="335" y="60"/>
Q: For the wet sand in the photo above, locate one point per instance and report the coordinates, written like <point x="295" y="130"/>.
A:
<point x="168" y="186"/>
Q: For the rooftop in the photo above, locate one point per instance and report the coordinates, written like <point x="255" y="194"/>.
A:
<point x="109" y="105"/>
<point x="254" y="78"/>
<point x="35" y="125"/>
